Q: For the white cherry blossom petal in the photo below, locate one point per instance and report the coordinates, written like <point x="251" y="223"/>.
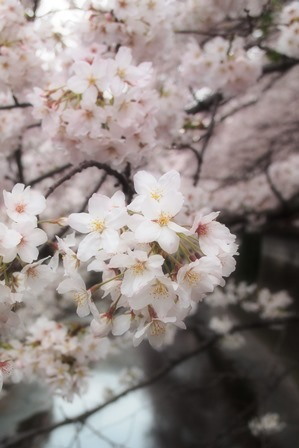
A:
<point x="168" y="240"/>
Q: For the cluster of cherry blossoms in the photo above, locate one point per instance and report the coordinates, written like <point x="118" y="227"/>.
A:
<point x="143" y="25"/>
<point x="265" y="304"/>
<point x="135" y="270"/>
<point x="288" y="41"/>
<point x="154" y="270"/>
<point x="267" y="424"/>
<point x="205" y="15"/>
<point x="55" y="353"/>
<point x="152" y="274"/>
<point x="20" y="65"/>
<point x="222" y="65"/>
<point x="105" y="110"/>
<point x="19" y="241"/>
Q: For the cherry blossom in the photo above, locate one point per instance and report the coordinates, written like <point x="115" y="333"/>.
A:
<point x="101" y="223"/>
<point x="140" y="270"/>
<point x="160" y="293"/>
<point x="9" y="239"/>
<point x="198" y="278"/>
<point x="156" y="330"/>
<point x="117" y="85"/>
<point x="89" y="79"/>
<point x="158" y="224"/>
<point x="288" y="41"/>
<point x="23" y="204"/>
<point x="213" y="237"/>
<point x="150" y="190"/>
<point x="31" y="238"/>
<point x="105" y="323"/>
<point x="81" y="296"/>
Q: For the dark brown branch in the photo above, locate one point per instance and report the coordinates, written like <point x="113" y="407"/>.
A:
<point x="18" y="157"/>
<point x="206" y="104"/>
<point x="205" y="138"/>
<point x="191" y="148"/>
<point x="16" y="106"/>
<point x="280" y="66"/>
<point x="34" y="125"/>
<point x="161" y="373"/>
<point x="49" y="174"/>
<point x="31" y="16"/>
<point x="35" y="6"/>
<point x="238" y="109"/>
<point x="121" y="178"/>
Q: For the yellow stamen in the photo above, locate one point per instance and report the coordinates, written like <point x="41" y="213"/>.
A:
<point x="157" y="195"/>
<point x="157" y="328"/>
<point x="97" y="226"/>
<point x="80" y="297"/>
<point x="138" y="268"/>
<point x="163" y="219"/>
<point x="160" y="290"/>
<point x="192" y="278"/>
<point x="121" y="73"/>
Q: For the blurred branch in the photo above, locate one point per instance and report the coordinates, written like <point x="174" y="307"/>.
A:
<point x="16" y="106"/>
<point x="49" y="174"/>
<point x="211" y="103"/>
<point x="206" y="139"/>
<point x="35" y="6"/>
<point x="97" y="187"/>
<point x="122" y="179"/>
<point x="18" y="157"/>
<point x="206" y="104"/>
<point x="282" y="66"/>
<point x="270" y="216"/>
<point x="161" y="373"/>
<point x="275" y="190"/>
<point x="104" y="438"/>
<point x="34" y="125"/>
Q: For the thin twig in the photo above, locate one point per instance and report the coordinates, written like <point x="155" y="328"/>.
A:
<point x="123" y="181"/>
<point x="206" y="140"/>
<point x="49" y="174"/>
<point x="97" y="187"/>
<point x="275" y="190"/>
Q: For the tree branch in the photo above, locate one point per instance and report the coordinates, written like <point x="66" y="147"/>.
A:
<point x="275" y="190"/>
<point x="18" y="157"/>
<point x="206" y="104"/>
<point x="16" y="106"/>
<point x="280" y="66"/>
<point x="206" y="139"/>
<point x="49" y="174"/>
<point x="121" y="178"/>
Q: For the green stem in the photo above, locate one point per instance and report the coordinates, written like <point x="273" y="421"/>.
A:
<point x="98" y="285"/>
